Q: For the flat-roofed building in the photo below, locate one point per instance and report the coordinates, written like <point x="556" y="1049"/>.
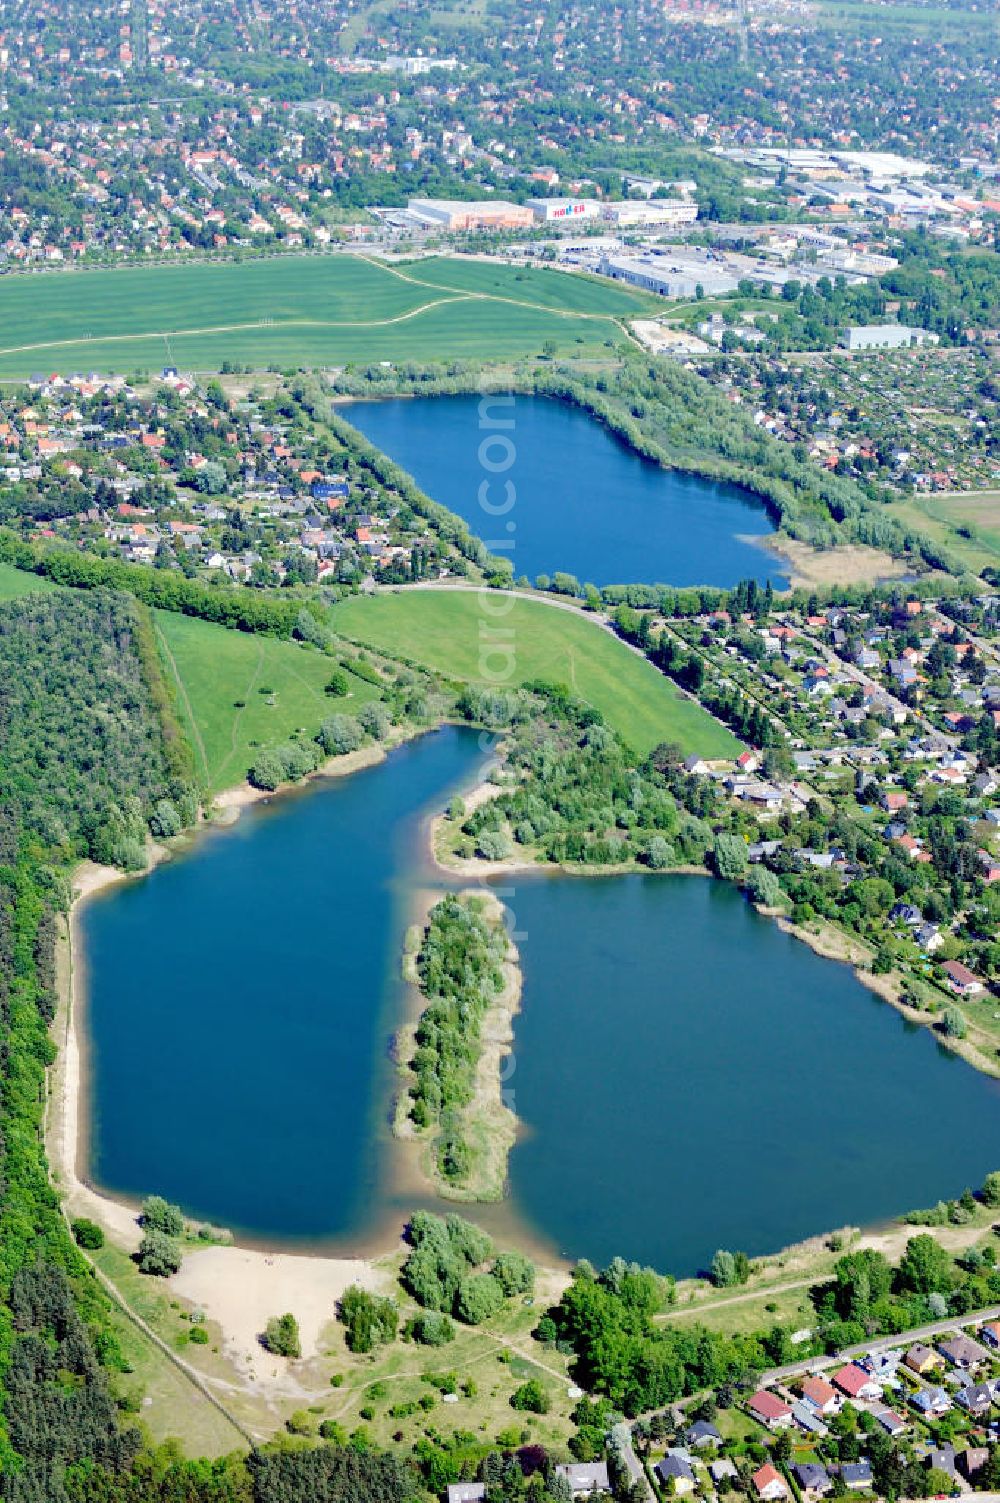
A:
<point x="886" y="337"/>
<point x="473" y="214"/>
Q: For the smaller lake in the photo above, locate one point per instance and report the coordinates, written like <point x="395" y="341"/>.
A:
<point x="689" y="1077"/>
<point x="241" y="1000"/>
<point x="584" y="501"/>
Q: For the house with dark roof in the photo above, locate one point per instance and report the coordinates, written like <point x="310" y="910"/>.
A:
<point x="856" y="1475"/>
<point x="814" y="1480"/>
<point x="961" y="1351"/>
<point x="676" y="1470"/>
<point x="586" y="1477"/>
<point x="702" y="1433"/>
<point x="975" y="1398"/>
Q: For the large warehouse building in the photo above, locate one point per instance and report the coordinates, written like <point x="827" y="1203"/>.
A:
<point x="563" y="210"/>
<point x="885" y="337"/>
<point x="477" y="214"/>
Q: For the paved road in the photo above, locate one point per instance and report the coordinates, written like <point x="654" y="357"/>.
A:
<point x="879" y="1344"/>
<point x="622" y="1435"/>
<point x="857" y="675"/>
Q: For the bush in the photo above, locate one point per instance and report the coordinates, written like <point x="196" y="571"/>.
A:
<point x="339" y="735"/>
<point x="515" y="1273"/>
<point x="337" y="684"/>
<point x="281" y="1336"/>
<point x="494" y="845"/>
<point x="530" y="1397"/>
<point x="267" y="772"/>
<point x="953" y="1023"/>
<point x="374" y="719"/>
<point x="370" y="1319"/>
<point x="159" y="1215"/>
<point x="764" y="887"/>
<point x="659" y="853"/>
<point x="430" y="1328"/>
<point x="159" y="1254"/>
<point x="87" y="1234"/>
<point x="479" y="1297"/>
<point x="198" y="1335"/>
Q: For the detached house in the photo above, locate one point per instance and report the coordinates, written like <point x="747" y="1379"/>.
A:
<point x="853" y="1381"/>
<point x="964" y="983"/>
<point x="770" y="1410"/>
<point x="769" y="1484"/>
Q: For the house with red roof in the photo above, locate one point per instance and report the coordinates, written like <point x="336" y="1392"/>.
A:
<point x="769" y="1483"/>
<point x="770" y="1410"/>
<point x="962" y="981"/>
<point x="820" y="1395"/>
<point x="853" y="1381"/>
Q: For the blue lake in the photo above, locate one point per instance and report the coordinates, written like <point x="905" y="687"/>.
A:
<point x="687" y="1076"/>
<point x="584" y="502"/>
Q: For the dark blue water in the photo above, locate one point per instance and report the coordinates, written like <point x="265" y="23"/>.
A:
<point x="583" y="501"/>
<point x="688" y="1077"/>
<point x="691" y="1078"/>
<point x="241" y="999"/>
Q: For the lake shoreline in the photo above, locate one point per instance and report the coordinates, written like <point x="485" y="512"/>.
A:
<point x="240" y="1285"/>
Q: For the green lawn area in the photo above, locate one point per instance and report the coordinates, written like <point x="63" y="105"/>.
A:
<point x="940" y="517"/>
<point x="219" y="676"/>
<point x="16" y="582"/>
<point x="440" y="629"/>
<point x="172" y="1406"/>
<point x="299" y="310"/>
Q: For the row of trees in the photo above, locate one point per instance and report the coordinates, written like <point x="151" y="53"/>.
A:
<point x="459" y="968"/>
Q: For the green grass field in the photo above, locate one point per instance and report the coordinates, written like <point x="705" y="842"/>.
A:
<point x="298" y="310"/>
<point x="441" y="630"/>
<point x="15" y="582"/>
<point x="219" y="675"/>
<point x="940" y="517"/>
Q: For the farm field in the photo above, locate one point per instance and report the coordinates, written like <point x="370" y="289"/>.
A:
<point x="221" y="677"/>
<point x="301" y="310"/>
<point x="977" y="513"/>
<point x="16" y="582"/>
<point x="441" y="629"/>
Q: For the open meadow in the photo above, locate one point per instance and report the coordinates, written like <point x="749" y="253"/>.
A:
<point x="15" y="583"/>
<point x="441" y="629"/>
<point x="966" y="524"/>
<point x="236" y="692"/>
<point x="299" y="311"/>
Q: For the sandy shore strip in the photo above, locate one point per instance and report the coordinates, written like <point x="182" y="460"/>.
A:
<point x="241" y="1288"/>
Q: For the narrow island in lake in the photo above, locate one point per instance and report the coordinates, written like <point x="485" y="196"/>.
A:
<point x="451" y="1060"/>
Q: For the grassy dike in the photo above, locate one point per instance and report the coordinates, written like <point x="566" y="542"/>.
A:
<point x="451" y="1058"/>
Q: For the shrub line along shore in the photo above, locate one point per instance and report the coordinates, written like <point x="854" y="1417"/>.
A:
<point x="240" y="1286"/>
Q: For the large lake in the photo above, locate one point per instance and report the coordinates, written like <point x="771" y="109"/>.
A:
<point x="584" y="502"/>
<point x="688" y="1077"/>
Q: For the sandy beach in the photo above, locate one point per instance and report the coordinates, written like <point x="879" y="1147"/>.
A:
<point x="240" y="1288"/>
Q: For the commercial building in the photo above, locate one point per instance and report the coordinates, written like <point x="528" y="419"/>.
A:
<point x="563" y="210"/>
<point x="886" y="337"/>
<point x="667" y="277"/>
<point x="477" y="214"/>
<point x="669" y="211"/>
